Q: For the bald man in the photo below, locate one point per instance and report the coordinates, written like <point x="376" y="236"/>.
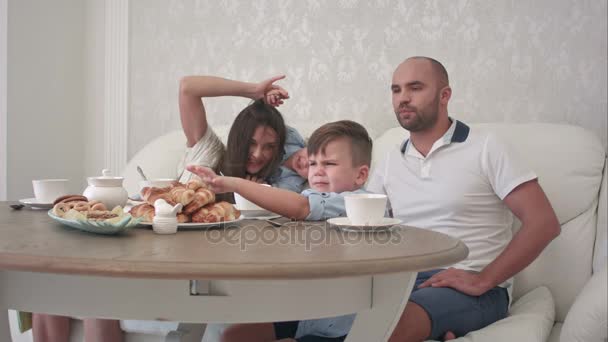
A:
<point x="464" y="182"/>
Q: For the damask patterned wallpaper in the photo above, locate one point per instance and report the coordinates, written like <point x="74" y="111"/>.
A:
<point x="512" y="61"/>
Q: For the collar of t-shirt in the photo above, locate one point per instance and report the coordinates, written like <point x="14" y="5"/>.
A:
<point x="458" y="132"/>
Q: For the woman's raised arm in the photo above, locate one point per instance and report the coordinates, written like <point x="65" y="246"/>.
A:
<point x="193" y="88"/>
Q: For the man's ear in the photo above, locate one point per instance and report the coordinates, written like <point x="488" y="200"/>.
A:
<point x="445" y="94"/>
<point x="362" y="175"/>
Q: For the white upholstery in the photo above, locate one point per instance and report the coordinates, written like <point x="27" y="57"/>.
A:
<point x="570" y="163"/>
<point x="586" y="320"/>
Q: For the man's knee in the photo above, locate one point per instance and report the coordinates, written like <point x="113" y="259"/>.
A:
<point x="414" y="325"/>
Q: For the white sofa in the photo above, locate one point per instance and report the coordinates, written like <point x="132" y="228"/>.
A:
<point x="562" y="293"/>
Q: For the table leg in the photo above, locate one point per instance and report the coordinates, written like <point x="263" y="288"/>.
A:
<point x="5" y="329"/>
<point x="390" y="293"/>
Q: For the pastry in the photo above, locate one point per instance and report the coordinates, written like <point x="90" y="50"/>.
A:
<point x="216" y="212"/>
<point x="150" y="195"/>
<point x="202" y="197"/>
<point x="144" y="210"/>
<point x="70" y="198"/>
<point x="181" y="195"/>
<point x="196" y="184"/>
<point x="60" y="209"/>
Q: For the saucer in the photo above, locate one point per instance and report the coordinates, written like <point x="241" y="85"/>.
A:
<point x="34" y="204"/>
<point x="343" y="223"/>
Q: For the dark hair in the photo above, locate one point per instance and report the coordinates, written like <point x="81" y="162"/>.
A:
<point x="237" y="148"/>
<point x="360" y="142"/>
<point x="440" y="71"/>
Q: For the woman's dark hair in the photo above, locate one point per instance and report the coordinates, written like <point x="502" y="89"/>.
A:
<point x="251" y="117"/>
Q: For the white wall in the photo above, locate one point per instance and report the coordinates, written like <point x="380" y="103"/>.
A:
<point x="45" y="93"/>
<point x="94" y="87"/>
<point x="513" y="61"/>
<point x="508" y="61"/>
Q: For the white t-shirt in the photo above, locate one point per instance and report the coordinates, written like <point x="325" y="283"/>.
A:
<point x="208" y="151"/>
<point x="457" y="190"/>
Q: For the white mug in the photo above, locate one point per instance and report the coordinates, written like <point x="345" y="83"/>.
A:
<point x="47" y="190"/>
<point x="365" y="209"/>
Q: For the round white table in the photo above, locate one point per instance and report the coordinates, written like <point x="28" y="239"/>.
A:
<point x="247" y="271"/>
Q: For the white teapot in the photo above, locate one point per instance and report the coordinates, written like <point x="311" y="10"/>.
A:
<point x="106" y="189"/>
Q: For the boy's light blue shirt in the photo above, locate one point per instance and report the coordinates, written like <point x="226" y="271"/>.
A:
<point x="326" y="205"/>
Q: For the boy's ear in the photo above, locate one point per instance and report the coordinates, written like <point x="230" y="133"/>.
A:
<point x="362" y="175"/>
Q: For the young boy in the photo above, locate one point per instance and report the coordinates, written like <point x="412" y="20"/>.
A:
<point x="339" y="155"/>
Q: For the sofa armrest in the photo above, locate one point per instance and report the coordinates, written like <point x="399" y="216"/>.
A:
<point x="587" y="319"/>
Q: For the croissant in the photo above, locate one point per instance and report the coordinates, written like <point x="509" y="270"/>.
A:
<point x="202" y="197"/>
<point x="196" y="184"/>
<point x="144" y="210"/>
<point x="150" y="195"/>
<point x="217" y="212"/>
<point x="181" y="195"/>
<point x="183" y="218"/>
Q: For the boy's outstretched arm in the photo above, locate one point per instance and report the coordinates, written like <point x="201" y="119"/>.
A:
<point x="280" y="201"/>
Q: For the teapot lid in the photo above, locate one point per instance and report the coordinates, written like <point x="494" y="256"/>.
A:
<point x="106" y="180"/>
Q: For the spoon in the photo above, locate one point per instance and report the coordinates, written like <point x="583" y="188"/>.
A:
<point x="17" y="206"/>
<point x="141" y="173"/>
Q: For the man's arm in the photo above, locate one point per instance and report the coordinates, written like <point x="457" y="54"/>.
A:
<point x="539" y="226"/>
<point x="193" y="88"/>
<point x="283" y="202"/>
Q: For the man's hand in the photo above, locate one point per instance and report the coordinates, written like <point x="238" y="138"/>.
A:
<point x="217" y="184"/>
<point x="463" y="281"/>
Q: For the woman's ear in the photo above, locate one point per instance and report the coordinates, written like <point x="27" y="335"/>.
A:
<point x="362" y="175"/>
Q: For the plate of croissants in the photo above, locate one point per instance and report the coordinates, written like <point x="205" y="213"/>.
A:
<point x="200" y="208"/>
<point x="91" y="216"/>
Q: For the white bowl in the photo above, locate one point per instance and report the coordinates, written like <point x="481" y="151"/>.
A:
<point x="244" y="204"/>
<point x="156" y="183"/>
<point x="250" y="209"/>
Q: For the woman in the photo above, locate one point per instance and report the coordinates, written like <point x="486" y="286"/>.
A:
<point x="260" y="147"/>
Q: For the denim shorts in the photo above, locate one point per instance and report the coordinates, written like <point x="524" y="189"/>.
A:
<point x="451" y="310"/>
<point x="288" y="330"/>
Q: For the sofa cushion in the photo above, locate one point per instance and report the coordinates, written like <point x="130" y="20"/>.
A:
<point x="564" y="265"/>
<point x="555" y="333"/>
<point x="600" y="253"/>
<point x="587" y="319"/>
<point x="530" y="319"/>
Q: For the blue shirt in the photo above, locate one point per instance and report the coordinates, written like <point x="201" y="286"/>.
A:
<point x="326" y="205"/>
<point x="286" y="178"/>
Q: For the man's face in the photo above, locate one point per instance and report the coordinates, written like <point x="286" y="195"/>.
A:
<point x="333" y="171"/>
<point x="416" y="95"/>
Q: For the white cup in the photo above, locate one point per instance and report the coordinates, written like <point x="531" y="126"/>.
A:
<point x="47" y="190"/>
<point x="365" y="209"/>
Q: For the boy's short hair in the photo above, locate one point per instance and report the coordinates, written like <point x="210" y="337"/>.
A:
<point x="360" y="142"/>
